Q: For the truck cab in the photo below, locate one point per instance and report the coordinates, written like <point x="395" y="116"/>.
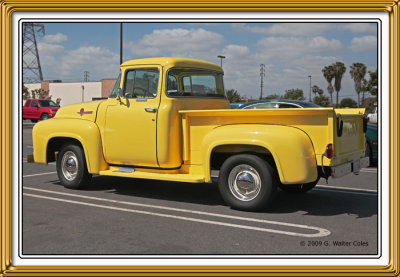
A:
<point x="169" y="119"/>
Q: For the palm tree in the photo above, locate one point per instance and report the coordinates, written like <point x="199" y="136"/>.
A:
<point x="329" y="75"/>
<point x="357" y="72"/>
<point x="339" y="69"/>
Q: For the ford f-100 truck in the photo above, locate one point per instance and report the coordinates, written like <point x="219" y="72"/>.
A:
<point x="168" y="119"/>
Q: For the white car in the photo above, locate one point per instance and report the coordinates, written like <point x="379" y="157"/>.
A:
<point x="373" y="117"/>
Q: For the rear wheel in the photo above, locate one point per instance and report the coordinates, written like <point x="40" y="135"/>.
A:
<point x="71" y="167"/>
<point x="246" y="182"/>
<point x="34" y="120"/>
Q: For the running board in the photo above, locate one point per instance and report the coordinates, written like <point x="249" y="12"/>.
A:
<point x="131" y="172"/>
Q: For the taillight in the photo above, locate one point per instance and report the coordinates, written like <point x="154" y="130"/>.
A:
<point x="329" y="151"/>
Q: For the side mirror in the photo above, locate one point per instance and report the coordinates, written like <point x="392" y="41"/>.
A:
<point x="35" y="106"/>
<point x="119" y="93"/>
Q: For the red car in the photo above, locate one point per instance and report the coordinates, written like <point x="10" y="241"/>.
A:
<point x="35" y="109"/>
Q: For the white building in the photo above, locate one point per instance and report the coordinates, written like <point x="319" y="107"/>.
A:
<point x="72" y="93"/>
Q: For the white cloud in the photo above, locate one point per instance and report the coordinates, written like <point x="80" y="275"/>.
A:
<point x="289" y="48"/>
<point x="57" y="38"/>
<point x="365" y="43"/>
<point x="287" y="29"/>
<point x="99" y="61"/>
<point x="175" y="42"/>
<point x="360" y="27"/>
<point x="49" y="48"/>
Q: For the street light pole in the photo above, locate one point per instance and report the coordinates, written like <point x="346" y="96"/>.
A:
<point x="309" y="76"/>
<point x="221" y="57"/>
<point x="120" y="43"/>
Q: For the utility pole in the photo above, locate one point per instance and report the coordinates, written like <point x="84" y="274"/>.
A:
<point x="262" y="75"/>
<point x="86" y="76"/>
<point x="31" y="69"/>
<point x="309" y="76"/>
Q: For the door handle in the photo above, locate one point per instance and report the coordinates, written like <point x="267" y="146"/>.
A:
<point x="150" y="110"/>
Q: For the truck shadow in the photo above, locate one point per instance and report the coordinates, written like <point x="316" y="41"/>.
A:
<point x="330" y="202"/>
<point x="196" y="193"/>
<point x="318" y="202"/>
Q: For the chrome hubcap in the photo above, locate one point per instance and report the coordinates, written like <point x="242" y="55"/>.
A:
<point x="244" y="182"/>
<point x="69" y="165"/>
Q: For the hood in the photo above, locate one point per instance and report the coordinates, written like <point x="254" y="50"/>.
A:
<point x="86" y="111"/>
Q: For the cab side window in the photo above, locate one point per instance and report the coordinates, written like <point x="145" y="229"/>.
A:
<point x="27" y="103"/>
<point x="141" y="83"/>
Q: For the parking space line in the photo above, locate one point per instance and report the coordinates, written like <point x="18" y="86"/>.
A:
<point x="176" y="209"/>
<point x="321" y="232"/>
<point x="45" y="173"/>
<point x="353" y="190"/>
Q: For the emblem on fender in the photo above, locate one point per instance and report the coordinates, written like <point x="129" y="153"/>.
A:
<point x="82" y="111"/>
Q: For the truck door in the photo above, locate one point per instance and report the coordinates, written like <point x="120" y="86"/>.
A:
<point x="131" y="119"/>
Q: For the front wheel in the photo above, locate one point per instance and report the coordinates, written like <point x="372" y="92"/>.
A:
<point x="71" y="167"/>
<point x="44" y="116"/>
<point x="246" y="182"/>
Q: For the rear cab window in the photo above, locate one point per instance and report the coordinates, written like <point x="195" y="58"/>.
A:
<point x="27" y="103"/>
<point x="187" y="82"/>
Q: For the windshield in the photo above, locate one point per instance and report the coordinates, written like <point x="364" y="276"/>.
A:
<point x="113" y="93"/>
<point x="47" y="103"/>
<point x="186" y="82"/>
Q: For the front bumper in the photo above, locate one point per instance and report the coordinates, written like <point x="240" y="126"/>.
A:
<point x="347" y="168"/>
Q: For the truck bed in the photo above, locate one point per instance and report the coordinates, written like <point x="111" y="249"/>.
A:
<point x="320" y="125"/>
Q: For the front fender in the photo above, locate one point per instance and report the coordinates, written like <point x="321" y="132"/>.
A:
<point x="86" y="132"/>
<point x="290" y="147"/>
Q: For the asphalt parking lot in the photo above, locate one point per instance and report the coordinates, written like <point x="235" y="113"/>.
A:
<point x="144" y="217"/>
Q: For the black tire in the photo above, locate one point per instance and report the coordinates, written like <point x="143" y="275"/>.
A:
<point x="44" y="116"/>
<point x="71" y="167"/>
<point x="298" y="188"/>
<point x="34" y="120"/>
<point x="255" y="174"/>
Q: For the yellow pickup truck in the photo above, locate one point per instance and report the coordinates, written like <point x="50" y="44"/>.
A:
<point x="168" y="119"/>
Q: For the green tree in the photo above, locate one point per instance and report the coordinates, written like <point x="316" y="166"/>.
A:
<point x="369" y="104"/>
<point x="272" y="96"/>
<point x="357" y="73"/>
<point x="40" y="93"/>
<point x="371" y="85"/>
<point x="329" y="74"/>
<point x="317" y="90"/>
<point x="322" y="100"/>
<point x="233" y="96"/>
<point x="25" y="93"/>
<point x="58" y="101"/>
<point x="348" y="103"/>
<point x="294" y="94"/>
<point x="339" y="69"/>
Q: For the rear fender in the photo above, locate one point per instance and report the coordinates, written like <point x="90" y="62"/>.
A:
<point x="84" y="131"/>
<point x="291" y="148"/>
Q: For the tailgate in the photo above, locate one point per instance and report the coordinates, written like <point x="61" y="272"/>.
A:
<point x="349" y="136"/>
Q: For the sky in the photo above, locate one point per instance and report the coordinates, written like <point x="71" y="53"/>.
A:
<point x="290" y="51"/>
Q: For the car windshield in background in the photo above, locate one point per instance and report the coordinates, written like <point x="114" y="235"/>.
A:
<point x="47" y="103"/>
<point x="186" y="82"/>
